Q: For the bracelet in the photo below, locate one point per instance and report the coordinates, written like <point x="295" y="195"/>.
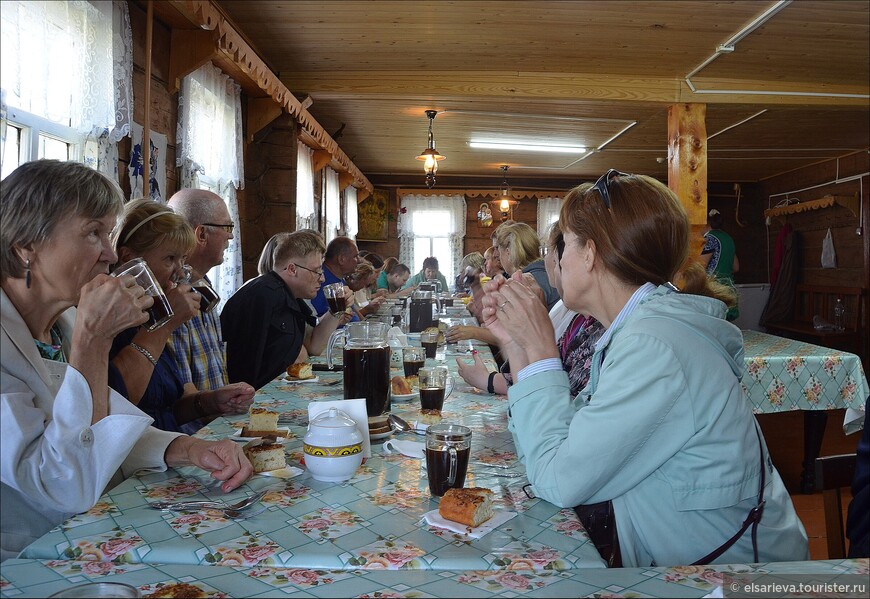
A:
<point x="144" y="352"/>
<point x="489" y="387"/>
<point x="197" y="405"/>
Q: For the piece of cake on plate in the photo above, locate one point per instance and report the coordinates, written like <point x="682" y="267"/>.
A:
<point x="261" y="422"/>
<point x="300" y="371"/>
<point x="266" y="457"/>
<point x="429" y="416"/>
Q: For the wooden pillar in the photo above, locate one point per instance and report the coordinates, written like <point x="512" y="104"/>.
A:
<point x="687" y="166"/>
<point x="146" y="125"/>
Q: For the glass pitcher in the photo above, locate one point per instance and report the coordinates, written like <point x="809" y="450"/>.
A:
<point x="366" y="363"/>
<point x="420" y="312"/>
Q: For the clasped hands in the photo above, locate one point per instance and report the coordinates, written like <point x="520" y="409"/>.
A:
<point x="515" y="313"/>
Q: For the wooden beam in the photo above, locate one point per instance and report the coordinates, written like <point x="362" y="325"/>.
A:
<point x="687" y="166"/>
<point x="344" y="179"/>
<point x="190" y="50"/>
<point x="145" y="152"/>
<point x="261" y="112"/>
<point x="445" y="85"/>
<point x="319" y="160"/>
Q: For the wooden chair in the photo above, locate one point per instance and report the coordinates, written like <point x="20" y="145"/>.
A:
<point x="832" y="474"/>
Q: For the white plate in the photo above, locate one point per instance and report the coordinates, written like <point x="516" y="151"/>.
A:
<point x="286" y="378"/>
<point x="405" y="397"/>
<point x="237" y="436"/>
<point x="379" y="436"/>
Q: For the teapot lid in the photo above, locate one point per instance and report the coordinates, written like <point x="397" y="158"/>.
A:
<point x="333" y="418"/>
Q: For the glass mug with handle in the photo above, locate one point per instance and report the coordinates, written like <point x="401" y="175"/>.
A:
<point x="160" y="312"/>
<point x="335" y="298"/>
<point x="448" y="448"/>
<point x="436" y="385"/>
<point x="209" y="298"/>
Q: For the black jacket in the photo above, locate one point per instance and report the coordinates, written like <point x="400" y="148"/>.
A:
<point x="263" y="326"/>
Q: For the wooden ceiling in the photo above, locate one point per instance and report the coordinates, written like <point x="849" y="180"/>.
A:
<point x="597" y="74"/>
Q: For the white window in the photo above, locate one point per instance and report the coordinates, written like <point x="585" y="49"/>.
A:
<point x="210" y="154"/>
<point x="431" y="232"/>
<point x="65" y="73"/>
<point x="432" y="226"/>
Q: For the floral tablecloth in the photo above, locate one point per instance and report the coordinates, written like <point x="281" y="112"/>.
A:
<point x="40" y="578"/>
<point x="372" y="522"/>
<point x="784" y="374"/>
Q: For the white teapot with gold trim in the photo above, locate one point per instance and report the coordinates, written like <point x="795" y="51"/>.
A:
<point x="333" y="446"/>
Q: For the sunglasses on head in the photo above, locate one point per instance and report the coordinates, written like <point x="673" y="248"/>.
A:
<point x="601" y="186"/>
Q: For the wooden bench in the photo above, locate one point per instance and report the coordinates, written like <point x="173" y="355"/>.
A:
<point x="812" y="300"/>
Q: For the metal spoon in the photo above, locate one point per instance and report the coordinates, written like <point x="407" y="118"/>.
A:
<point x="399" y="425"/>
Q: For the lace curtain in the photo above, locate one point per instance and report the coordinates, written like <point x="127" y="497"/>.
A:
<point x="209" y="152"/>
<point x="417" y="222"/>
<point x="548" y="213"/>
<point x="70" y="62"/>
<point x="333" y="204"/>
<point x="304" y="188"/>
<point x="351" y="212"/>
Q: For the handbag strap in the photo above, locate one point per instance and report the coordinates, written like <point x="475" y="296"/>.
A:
<point x="752" y="519"/>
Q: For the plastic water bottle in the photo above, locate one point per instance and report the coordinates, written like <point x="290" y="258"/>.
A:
<point x="840" y="315"/>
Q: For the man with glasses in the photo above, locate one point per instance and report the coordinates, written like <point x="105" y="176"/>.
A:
<point x="341" y="259"/>
<point x="196" y="346"/>
<point x="264" y="321"/>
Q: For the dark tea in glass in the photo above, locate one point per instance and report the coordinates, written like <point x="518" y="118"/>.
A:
<point x="438" y="470"/>
<point x="432" y="398"/>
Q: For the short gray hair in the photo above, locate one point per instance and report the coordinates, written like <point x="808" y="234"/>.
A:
<point x="39" y="195"/>
<point x="197" y="206"/>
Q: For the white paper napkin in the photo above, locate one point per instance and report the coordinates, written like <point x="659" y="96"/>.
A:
<point x="355" y="408"/>
<point x="715" y="593"/>
<point x="433" y="518"/>
<point x="412" y="449"/>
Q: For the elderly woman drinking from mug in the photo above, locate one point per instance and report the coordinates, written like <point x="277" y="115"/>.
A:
<point x="65" y="432"/>
<point x="660" y="454"/>
<point x="141" y="370"/>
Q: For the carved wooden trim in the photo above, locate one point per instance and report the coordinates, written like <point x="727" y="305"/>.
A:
<point x="227" y="41"/>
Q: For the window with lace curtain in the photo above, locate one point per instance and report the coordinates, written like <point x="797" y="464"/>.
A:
<point x="66" y="77"/>
<point x="305" y="217"/>
<point x="351" y="212"/>
<point x="210" y="154"/>
<point x="332" y="203"/>
<point x="548" y="213"/>
<point x="432" y="226"/>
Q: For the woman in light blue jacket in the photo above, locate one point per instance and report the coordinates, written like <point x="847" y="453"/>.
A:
<point x="661" y="445"/>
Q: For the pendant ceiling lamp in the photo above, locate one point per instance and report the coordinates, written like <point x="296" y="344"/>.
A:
<point x="430" y="156"/>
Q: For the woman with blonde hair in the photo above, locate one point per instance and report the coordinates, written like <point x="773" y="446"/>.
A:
<point x="659" y="455"/>
<point x="520" y="249"/>
<point x="141" y="370"/>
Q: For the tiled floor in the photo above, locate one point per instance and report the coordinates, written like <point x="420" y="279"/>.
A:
<point x="784" y="435"/>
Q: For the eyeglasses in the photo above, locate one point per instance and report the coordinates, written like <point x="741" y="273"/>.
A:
<point x="319" y="273"/>
<point x="227" y="228"/>
<point x="601" y="186"/>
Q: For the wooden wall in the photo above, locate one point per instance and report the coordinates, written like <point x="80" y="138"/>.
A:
<point x="164" y="106"/>
<point x="268" y="205"/>
<point x="850" y="240"/>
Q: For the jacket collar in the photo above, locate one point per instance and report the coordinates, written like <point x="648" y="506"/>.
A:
<point x="17" y="335"/>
